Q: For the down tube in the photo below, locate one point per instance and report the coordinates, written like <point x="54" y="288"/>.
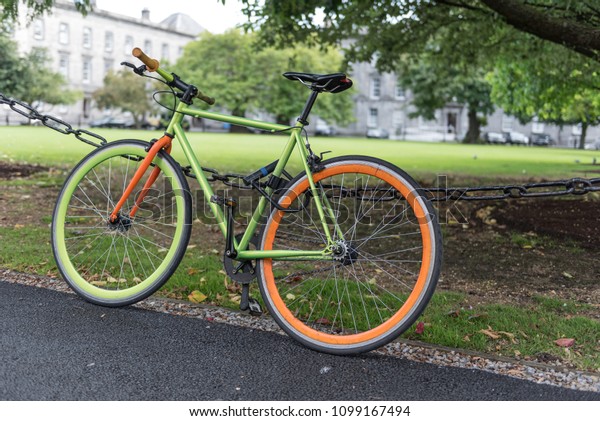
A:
<point x="262" y="203"/>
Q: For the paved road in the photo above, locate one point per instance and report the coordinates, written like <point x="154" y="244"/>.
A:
<point x="54" y="346"/>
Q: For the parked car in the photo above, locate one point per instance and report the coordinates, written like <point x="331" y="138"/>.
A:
<point x="494" y="137"/>
<point x="594" y="146"/>
<point x="516" y="138"/>
<point x="121" y="123"/>
<point x="541" y="139"/>
<point x="324" y="129"/>
<point x="378" y="133"/>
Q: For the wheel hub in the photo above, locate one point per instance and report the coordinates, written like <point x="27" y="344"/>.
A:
<point x="121" y="224"/>
<point x="345" y="252"/>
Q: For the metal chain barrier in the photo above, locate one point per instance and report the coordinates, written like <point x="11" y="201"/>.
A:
<point x="53" y="123"/>
<point x="574" y="186"/>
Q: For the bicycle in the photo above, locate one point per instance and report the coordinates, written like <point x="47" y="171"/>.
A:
<point x="346" y="254"/>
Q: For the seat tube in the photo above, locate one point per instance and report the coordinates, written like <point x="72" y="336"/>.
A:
<point x="313" y="187"/>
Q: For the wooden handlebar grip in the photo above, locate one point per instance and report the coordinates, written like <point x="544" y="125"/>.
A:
<point x="151" y="64"/>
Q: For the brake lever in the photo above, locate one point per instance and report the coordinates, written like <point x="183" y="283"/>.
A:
<point x="137" y="70"/>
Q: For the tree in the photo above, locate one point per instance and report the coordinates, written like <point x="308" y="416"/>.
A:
<point x="9" y="9"/>
<point x="434" y="85"/>
<point x="45" y="86"/>
<point x="245" y="79"/>
<point x="402" y="25"/>
<point x="127" y="91"/>
<point x="472" y="35"/>
<point x="562" y="88"/>
<point x="29" y="79"/>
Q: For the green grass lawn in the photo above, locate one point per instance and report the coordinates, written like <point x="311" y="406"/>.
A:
<point x="243" y="153"/>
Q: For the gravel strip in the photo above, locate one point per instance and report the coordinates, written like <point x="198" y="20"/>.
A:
<point x="410" y="350"/>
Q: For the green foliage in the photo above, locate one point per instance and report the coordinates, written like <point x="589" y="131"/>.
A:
<point x="29" y="79"/>
<point x="450" y="45"/>
<point x="550" y="83"/>
<point x="390" y="26"/>
<point x="124" y="90"/>
<point x="9" y="9"/>
<point x="244" y="79"/>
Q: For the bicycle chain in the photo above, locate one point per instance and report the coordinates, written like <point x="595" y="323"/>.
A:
<point x="51" y="122"/>
<point x="574" y="186"/>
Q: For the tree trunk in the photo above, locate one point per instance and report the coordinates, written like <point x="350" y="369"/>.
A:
<point x="584" y="127"/>
<point x="581" y="37"/>
<point x="473" y="132"/>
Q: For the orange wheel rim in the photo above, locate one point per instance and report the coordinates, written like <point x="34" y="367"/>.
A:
<point x="421" y="283"/>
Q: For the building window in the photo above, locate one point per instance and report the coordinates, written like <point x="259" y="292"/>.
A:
<point x="63" y="65"/>
<point x="373" y="117"/>
<point x="38" y="29"/>
<point x="179" y="52"/>
<point x="148" y="47"/>
<point x="507" y="123"/>
<point x="375" y="87"/>
<point x="400" y="96"/>
<point x="108" y="65"/>
<point x="128" y="45"/>
<point x="86" y="70"/>
<point x="165" y="52"/>
<point x="63" y="33"/>
<point x="109" y="42"/>
<point x="87" y="37"/>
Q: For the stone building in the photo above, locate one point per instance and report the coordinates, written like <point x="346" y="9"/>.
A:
<point x="84" y="48"/>
<point x="380" y="103"/>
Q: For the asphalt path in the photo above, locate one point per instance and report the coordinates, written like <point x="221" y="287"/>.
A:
<point x="54" y="346"/>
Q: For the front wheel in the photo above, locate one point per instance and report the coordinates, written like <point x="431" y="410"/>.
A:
<point x="386" y="259"/>
<point x="124" y="261"/>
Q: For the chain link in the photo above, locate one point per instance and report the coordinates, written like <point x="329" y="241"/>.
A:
<point x="573" y="186"/>
<point x="226" y="179"/>
<point x="51" y="122"/>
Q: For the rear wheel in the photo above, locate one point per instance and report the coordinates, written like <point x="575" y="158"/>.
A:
<point x="385" y="263"/>
<point x="121" y="262"/>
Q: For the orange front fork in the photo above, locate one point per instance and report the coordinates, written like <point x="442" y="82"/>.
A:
<point x="163" y="143"/>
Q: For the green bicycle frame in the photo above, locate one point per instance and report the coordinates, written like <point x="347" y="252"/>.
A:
<point x="295" y="140"/>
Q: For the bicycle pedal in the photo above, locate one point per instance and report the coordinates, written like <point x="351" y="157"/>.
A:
<point x="254" y="307"/>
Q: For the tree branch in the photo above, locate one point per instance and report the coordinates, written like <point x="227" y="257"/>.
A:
<point x="579" y="37"/>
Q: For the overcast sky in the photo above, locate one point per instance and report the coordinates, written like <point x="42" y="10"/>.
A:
<point x="210" y="14"/>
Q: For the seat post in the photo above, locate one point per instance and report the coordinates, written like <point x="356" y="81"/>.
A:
<point x="309" y="104"/>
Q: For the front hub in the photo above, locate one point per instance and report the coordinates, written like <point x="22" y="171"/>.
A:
<point x="121" y="224"/>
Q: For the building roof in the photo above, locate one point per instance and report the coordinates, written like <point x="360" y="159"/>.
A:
<point x="180" y="22"/>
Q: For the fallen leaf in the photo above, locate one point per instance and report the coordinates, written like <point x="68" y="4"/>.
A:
<point x="323" y="321"/>
<point x="509" y="336"/>
<point x="196" y="297"/>
<point x="565" y="342"/>
<point x="290" y="296"/>
<point x="490" y="333"/>
<point x="372" y="281"/>
<point x="467" y="338"/>
<point x="192" y="271"/>
<point x="567" y="275"/>
<point x="420" y="328"/>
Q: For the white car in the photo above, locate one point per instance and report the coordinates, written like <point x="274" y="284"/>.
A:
<point x="494" y="137"/>
<point x="516" y="138"/>
<point x="594" y="146"/>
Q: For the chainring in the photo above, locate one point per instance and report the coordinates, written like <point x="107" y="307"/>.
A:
<point x="243" y="272"/>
